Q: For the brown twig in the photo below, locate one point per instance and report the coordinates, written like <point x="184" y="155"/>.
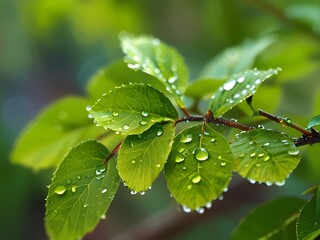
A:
<point x="113" y="152"/>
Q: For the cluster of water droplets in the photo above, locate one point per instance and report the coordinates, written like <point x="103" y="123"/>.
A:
<point x="199" y="210"/>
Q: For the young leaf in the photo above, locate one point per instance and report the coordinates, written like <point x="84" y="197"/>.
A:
<point x="236" y="59"/>
<point x="238" y="88"/>
<point x="157" y="59"/>
<point x="142" y="157"/>
<point x="81" y="191"/>
<point x="265" y="156"/>
<point x="270" y="220"/>
<point x="199" y="166"/>
<point x="132" y="109"/>
<point x="53" y="132"/>
<point x="308" y="224"/>
<point x="118" y="74"/>
<point x="314" y="121"/>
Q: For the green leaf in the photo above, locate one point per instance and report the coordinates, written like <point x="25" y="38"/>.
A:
<point x="132" y="109"/>
<point x="53" y="132"/>
<point x="199" y="166"/>
<point x="314" y="121"/>
<point x="238" y="88"/>
<point x="202" y="87"/>
<point x="142" y="157"/>
<point x="81" y="191"/>
<point x="308" y="224"/>
<point x="153" y="57"/>
<point x="237" y="59"/>
<point x="270" y="220"/>
<point x="265" y="156"/>
<point x="118" y="74"/>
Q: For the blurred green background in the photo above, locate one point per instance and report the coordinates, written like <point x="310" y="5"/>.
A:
<point x="50" y="49"/>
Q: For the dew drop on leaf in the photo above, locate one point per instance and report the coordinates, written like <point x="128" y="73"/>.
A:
<point x="86" y="205"/>
<point x="158" y="165"/>
<point x="208" y="205"/>
<point x="260" y="155"/>
<point x="103" y="217"/>
<point x="223" y="163"/>
<point x="196" y="178"/>
<point x="268" y="184"/>
<point x="186" y="138"/>
<point x="181" y="149"/>
<point x="100" y="169"/>
<point x="189" y="187"/>
<point x="266" y="144"/>
<point x="280" y="183"/>
<point x="88" y="108"/>
<point x="179" y="158"/>
<point x="115" y="114"/>
<point x="201" y="154"/>
<point x="212" y="140"/>
<point x="126" y="126"/>
<point x="143" y="122"/>
<point x="229" y="85"/>
<point x="241" y="155"/>
<point x="60" y="190"/>
<point x="159" y="132"/>
<point x="69" y="181"/>
<point x="144" y="113"/>
<point x="104" y="190"/>
<point x="293" y="152"/>
<point x="200" y="210"/>
<point x="186" y="209"/>
<point x="252" y="154"/>
<point x="266" y="158"/>
<point x="134" y="66"/>
<point x="73" y="189"/>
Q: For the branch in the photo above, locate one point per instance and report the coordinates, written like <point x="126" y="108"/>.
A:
<point x="113" y="152"/>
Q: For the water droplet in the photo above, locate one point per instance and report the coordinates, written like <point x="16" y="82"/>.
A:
<point x="115" y="114"/>
<point x="126" y="126"/>
<point x="73" y="189"/>
<point x="237" y="95"/>
<point x="221" y="197"/>
<point x="260" y="155"/>
<point x="100" y="169"/>
<point x="79" y="177"/>
<point x="200" y="210"/>
<point x="133" y="161"/>
<point x="258" y="81"/>
<point x="280" y="183"/>
<point x="266" y="144"/>
<point x="252" y="181"/>
<point x="186" y="209"/>
<point x="184" y="168"/>
<point x="252" y="154"/>
<point x="196" y="178"/>
<point x="133" y="192"/>
<point x="206" y="133"/>
<point x="208" y="205"/>
<point x="181" y="149"/>
<point x="60" y="190"/>
<point x="85" y="205"/>
<point x="268" y="184"/>
<point x="103" y="217"/>
<point x="143" y="122"/>
<point x="223" y="163"/>
<point x="69" y="181"/>
<point x="179" y="158"/>
<point x="172" y="79"/>
<point x="158" y="165"/>
<point x="201" y="154"/>
<point x="212" y="140"/>
<point x="258" y="164"/>
<point x="219" y="157"/>
<point x="159" y="132"/>
<point x="189" y="187"/>
<point x="225" y="189"/>
<point x="266" y="158"/>
<point x="142" y="193"/>
<point x="186" y="138"/>
<point x="90" y="115"/>
<point x="100" y="176"/>
<point x="240" y="79"/>
<point x="241" y="155"/>
<point x="134" y="66"/>
<point x="293" y="152"/>
<point x="229" y="85"/>
<point x="144" y="113"/>
<point x="88" y="108"/>
<point x="104" y="190"/>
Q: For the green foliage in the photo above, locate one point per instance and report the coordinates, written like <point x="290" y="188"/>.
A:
<point x="140" y="107"/>
<point x="142" y="157"/>
<point x="53" y="132"/>
<point x="238" y="88"/>
<point x="137" y="115"/>
<point x="271" y="220"/>
<point x="308" y="224"/>
<point x="264" y="156"/>
<point x="157" y="59"/>
<point x="81" y="191"/>
<point x="199" y="167"/>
